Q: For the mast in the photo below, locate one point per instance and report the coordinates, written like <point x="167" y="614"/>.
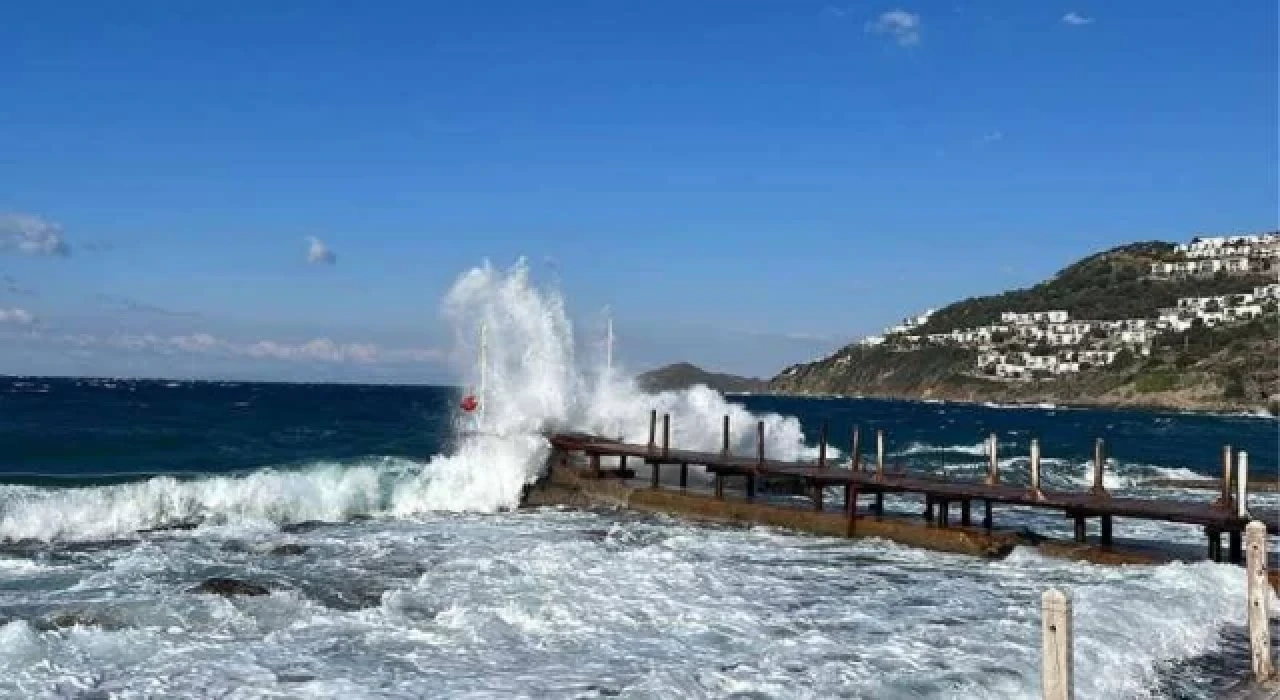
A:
<point x="484" y="368"/>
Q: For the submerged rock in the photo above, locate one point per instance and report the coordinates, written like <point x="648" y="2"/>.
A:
<point x="229" y="587"/>
<point x="288" y="550"/>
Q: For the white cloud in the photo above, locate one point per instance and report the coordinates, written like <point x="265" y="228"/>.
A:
<point x="903" y="26"/>
<point x="318" y="252"/>
<point x="32" y="235"/>
<point x="20" y="317"/>
<point x="1076" y="19"/>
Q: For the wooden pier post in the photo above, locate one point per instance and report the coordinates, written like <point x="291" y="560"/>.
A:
<point x="1242" y="484"/>
<point x="1081" y="533"/>
<point x="1035" y="470"/>
<point x="987" y="521"/>
<point x="1259" y="593"/>
<point x="880" y="454"/>
<point x="1099" y="465"/>
<point x="993" y="466"/>
<point x="944" y="510"/>
<point x="817" y="495"/>
<point x="855" y="450"/>
<point x="1104" y="531"/>
<point x="724" y="450"/>
<point x="1224" y="499"/>
<point x="656" y="475"/>
<point x="964" y="513"/>
<point x="1056" y="652"/>
<point x="594" y="461"/>
<point x="684" y="475"/>
<point x="1215" y="543"/>
<point x="653" y="429"/>
<point x="666" y="433"/>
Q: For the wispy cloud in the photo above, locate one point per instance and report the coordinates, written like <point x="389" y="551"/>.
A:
<point x="318" y="253"/>
<point x="32" y="235"/>
<point x="903" y="26"/>
<point x="126" y="304"/>
<point x="1076" y="19"/>
<point x="20" y="317"/>
<point x="321" y="350"/>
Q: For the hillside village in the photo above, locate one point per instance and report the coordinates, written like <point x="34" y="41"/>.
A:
<point x="1046" y="344"/>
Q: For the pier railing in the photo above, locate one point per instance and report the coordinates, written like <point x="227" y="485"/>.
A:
<point x="1228" y="514"/>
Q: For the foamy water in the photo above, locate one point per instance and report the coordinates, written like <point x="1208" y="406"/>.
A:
<point x="424" y="582"/>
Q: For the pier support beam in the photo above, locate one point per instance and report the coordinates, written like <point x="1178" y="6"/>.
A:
<point x="1080" y="531"/>
<point x="822" y="447"/>
<point x="1105" y="531"/>
<point x="944" y="512"/>
<point x="751" y="488"/>
<point x="1215" y="544"/>
<point x="653" y="429"/>
<point x="855" y="450"/>
<point x="987" y="521"/>
<point x="684" y="475"/>
<point x="817" y="495"/>
<point x="879" y="504"/>
<point x="666" y="433"/>
<point x="928" y="508"/>
<point x="1237" y="550"/>
<point x="655" y="476"/>
<point x="964" y="513"/>
<point x="594" y="461"/>
<point x="1224" y="498"/>
<point x="719" y="486"/>
<point x="724" y="450"/>
<point x="851" y="510"/>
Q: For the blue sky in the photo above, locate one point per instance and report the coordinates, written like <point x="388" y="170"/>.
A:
<point x="746" y="184"/>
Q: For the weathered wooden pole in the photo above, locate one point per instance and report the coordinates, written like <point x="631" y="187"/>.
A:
<point x="880" y="454"/>
<point x="656" y="475"/>
<point x="1259" y="594"/>
<point x="855" y="449"/>
<point x="987" y="521"/>
<point x="724" y="449"/>
<point x="1035" y="470"/>
<point x="1224" y="499"/>
<point x="817" y="495"/>
<point x="594" y="462"/>
<point x="964" y="513"/>
<point x="1056" y="652"/>
<point x="1099" y="465"/>
<point x="993" y="465"/>
<point x="653" y="428"/>
<point x="684" y="475"/>
<point x="666" y="433"/>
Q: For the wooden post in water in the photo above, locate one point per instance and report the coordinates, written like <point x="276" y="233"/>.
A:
<point x="653" y="428"/>
<point x="760" y="444"/>
<point x="1259" y="593"/>
<point x="1056" y="652"/>
<point x="684" y="475"/>
<point x="656" y="475"/>
<point x="724" y="449"/>
<point x="993" y="466"/>
<point x="964" y="513"/>
<point x="851" y="508"/>
<point x="987" y="520"/>
<point x="855" y="450"/>
<point x="666" y="433"/>
<point x="880" y="454"/>
<point x="1224" y="499"/>
<point x="1035" y="470"/>
<point x="1099" y="465"/>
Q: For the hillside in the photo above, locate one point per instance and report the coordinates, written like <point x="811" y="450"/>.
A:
<point x="683" y="375"/>
<point x="1228" y="367"/>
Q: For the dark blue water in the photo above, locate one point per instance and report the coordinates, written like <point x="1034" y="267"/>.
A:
<point x="81" y="430"/>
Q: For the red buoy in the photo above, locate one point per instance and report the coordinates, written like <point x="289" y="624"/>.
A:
<point x="469" y="403"/>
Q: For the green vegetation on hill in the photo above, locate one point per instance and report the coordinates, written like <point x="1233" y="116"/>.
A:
<point x="683" y="375"/>
<point x="1230" y="367"/>
<point x="1106" y="286"/>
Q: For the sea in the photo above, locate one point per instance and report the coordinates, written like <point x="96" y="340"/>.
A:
<point x="384" y="525"/>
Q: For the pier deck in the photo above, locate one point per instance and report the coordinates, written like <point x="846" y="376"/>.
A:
<point x="939" y="493"/>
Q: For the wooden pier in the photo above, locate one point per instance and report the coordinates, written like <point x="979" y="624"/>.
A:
<point x="1228" y="515"/>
